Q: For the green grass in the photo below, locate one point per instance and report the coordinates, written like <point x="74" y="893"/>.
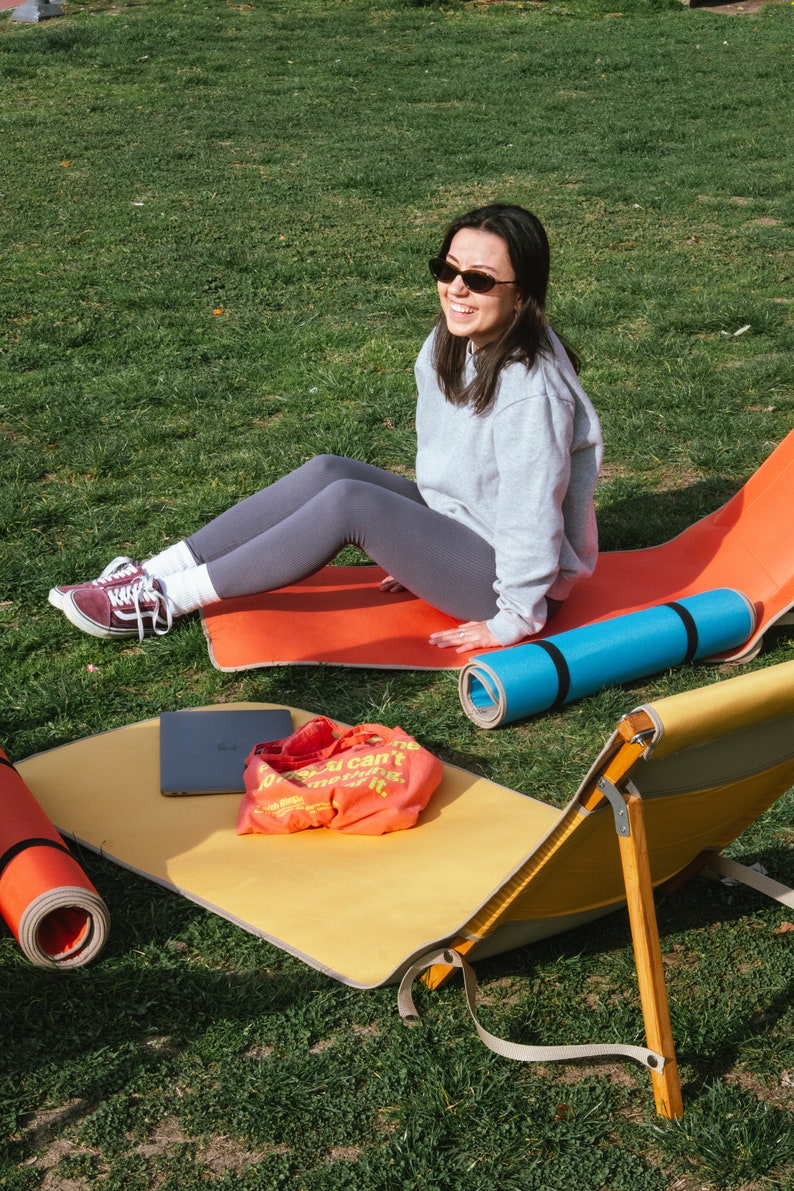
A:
<point x="214" y="223"/>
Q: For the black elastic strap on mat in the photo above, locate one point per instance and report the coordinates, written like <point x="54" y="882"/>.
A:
<point x="691" y="629"/>
<point x="23" y="844"/>
<point x="563" y="673"/>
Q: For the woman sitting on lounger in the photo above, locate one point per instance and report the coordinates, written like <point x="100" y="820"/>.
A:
<point x="500" y="522"/>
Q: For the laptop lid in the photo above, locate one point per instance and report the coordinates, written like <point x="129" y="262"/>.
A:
<point x="203" y="752"/>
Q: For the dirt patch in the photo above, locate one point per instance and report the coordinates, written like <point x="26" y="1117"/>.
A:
<point x="620" y="1073"/>
<point x="779" y="1092"/>
<point x="219" y="1155"/>
<point x="735" y="8"/>
<point x="345" y="1154"/>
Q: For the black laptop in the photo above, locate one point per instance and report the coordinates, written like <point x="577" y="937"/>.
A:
<point x="203" y="752"/>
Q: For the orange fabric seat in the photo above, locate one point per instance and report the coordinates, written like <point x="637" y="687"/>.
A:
<point x="339" y="616"/>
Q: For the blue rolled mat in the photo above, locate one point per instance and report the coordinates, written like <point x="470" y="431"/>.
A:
<point x="509" y="684"/>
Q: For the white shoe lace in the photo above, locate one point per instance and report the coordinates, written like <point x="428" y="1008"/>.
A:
<point x="116" y="570"/>
<point x="142" y="591"/>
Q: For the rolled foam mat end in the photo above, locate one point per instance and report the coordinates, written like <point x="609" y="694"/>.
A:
<point x="48" y="903"/>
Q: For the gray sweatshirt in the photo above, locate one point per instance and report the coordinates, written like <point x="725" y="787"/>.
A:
<point x="521" y="475"/>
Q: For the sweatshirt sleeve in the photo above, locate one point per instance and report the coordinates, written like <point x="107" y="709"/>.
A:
<point x="547" y="454"/>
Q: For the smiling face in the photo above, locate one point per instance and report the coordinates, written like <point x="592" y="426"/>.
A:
<point x="479" y="317"/>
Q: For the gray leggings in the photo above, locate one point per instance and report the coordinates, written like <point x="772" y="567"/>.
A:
<point x="292" y="528"/>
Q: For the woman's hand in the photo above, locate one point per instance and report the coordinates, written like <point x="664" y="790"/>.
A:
<point x="474" y="634"/>
<point x="390" y="584"/>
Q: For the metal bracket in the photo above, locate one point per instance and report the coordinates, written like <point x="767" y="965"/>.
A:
<point x="618" y="804"/>
<point x="647" y="733"/>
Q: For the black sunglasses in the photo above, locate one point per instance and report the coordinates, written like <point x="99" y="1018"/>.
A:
<point x="473" y="279"/>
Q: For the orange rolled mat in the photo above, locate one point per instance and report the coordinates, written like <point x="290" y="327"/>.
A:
<point x="46" y="900"/>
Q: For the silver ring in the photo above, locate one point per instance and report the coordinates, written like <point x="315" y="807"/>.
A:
<point x="461" y="633"/>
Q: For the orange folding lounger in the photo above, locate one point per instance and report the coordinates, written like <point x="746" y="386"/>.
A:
<point x="340" y="617"/>
<point x="486" y="869"/>
<point x="48" y="903"/>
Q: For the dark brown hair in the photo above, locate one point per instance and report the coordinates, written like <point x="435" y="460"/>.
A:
<point x="527" y="334"/>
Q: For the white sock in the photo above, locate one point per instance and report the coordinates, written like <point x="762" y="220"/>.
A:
<point x="189" y="590"/>
<point x="178" y="557"/>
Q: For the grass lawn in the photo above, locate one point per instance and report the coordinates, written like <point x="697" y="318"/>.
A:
<point x="214" y="225"/>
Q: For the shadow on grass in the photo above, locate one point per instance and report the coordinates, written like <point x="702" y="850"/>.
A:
<point x="702" y="925"/>
<point x="188" y="1015"/>
<point x="630" y="517"/>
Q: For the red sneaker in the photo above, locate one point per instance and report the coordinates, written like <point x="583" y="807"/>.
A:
<point x="138" y="607"/>
<point x="120" y="570"/>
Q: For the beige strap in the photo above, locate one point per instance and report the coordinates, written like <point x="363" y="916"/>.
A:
<point x="724" y="867"/>
<point x="511" y="1050"/>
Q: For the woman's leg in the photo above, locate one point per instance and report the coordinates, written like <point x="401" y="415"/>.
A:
<point x="287" y="532"/>
<point x="265" y="509"/>
<point x="434" y="557"/>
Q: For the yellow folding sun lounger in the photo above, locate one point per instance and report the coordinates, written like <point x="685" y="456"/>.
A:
<point x="486" y="869"/>
<point x="678" y="780"/>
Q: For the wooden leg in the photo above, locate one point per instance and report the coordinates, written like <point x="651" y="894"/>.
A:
<point x="648" y="960"/>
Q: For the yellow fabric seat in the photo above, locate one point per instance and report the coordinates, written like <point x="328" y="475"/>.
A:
<point x="678" y="780"/>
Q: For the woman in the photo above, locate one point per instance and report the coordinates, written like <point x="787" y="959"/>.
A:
<point x="500" y="523"/>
